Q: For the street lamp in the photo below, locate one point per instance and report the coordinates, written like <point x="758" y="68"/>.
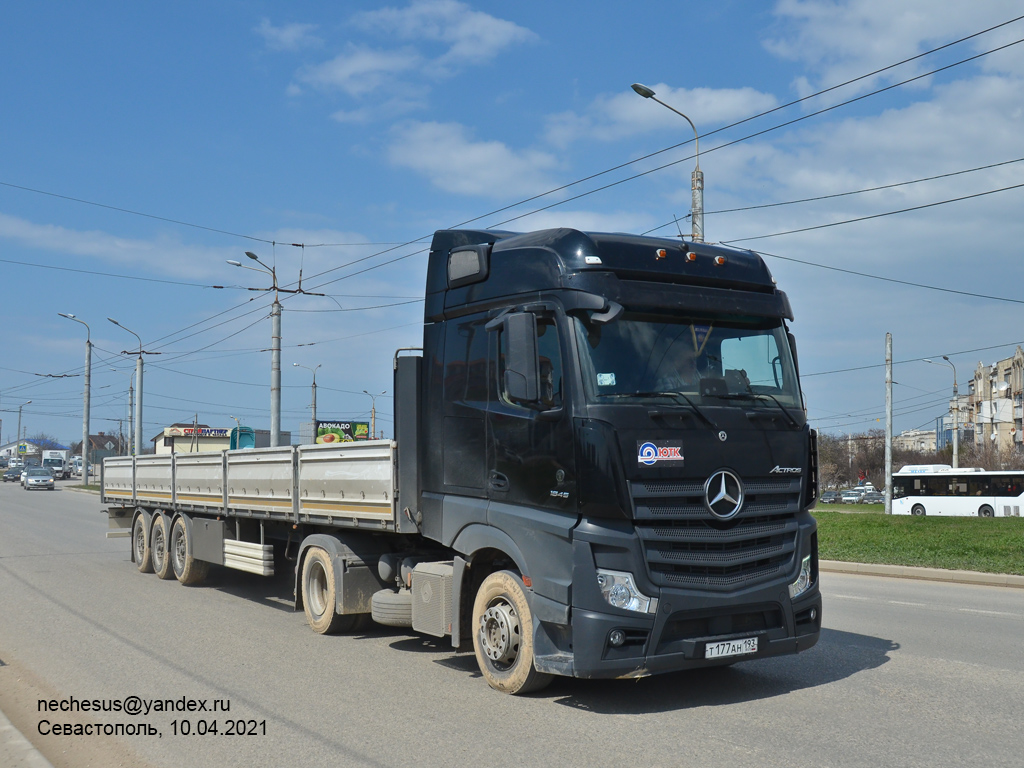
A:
<point x="85" y="397"/>
<point x="314" y="393"/>
<point x="696" y="178"/>
<point x="956" y="412"/>
<point x="373" y="412"/>
<point x="18" y="435"/>
<point x="275" y="346"/>
<point x="138" y="389"/>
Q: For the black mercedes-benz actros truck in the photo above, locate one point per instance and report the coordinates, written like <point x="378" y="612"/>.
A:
<point x="602" y="468"/>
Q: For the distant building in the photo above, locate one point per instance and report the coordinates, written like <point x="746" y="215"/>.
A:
<point x="201" y="438"/>
<point x="996" y="396"/>
<point x="101" y="446"/>
<point x="915" y="440"/>
<point x="33" y="448"/>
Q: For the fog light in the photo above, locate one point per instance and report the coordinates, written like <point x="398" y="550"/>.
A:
<point x="803" y="581"/>
<point x="620" y="592"/>
<point x="616" y="638"/>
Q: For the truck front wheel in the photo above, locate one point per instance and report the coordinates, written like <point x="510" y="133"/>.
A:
<point x="503" y="635"/>
<point x="320" y="594"/>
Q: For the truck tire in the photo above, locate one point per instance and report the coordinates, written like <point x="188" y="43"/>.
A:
<point x="187" y="570"/>
<point x="391" y="608"/>
<point x="320" y="594"/>
<point x="140" y="545"/>
<point x="158" y="543"/>
<point x="503" y="635"/>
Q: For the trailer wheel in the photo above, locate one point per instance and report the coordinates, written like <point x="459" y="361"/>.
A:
<point x="158" y="548"/>
<point x="140" y="545"/>
<point x="503" y="635"/>
<point x="187" y="570"/>
<point x="986" y="511"/>
<point x="320" y="594"/>
<point x="918" y="510"/>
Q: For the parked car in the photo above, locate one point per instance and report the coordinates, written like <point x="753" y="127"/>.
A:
<point x="38" y="479"/>
<point x="852" y="497"/>
<point x="830" y="497"/>
<point x="873" y="497"/>
<point x="12" y="475"/>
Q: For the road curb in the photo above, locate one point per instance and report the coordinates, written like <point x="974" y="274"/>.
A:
<point x="925" y="574"/>
<point x="16" y="750"/>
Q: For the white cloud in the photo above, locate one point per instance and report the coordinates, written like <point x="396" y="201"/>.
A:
<point x="162" y="255"/>
<point x="360" y="71"/>
<point x="471" y="36"/>
<point x="393" y="76"/>
<point x="621" y="115"/>
<point x="447" y="154"/>
<point x="838" y="41"/>
<point x="290" y="37"/>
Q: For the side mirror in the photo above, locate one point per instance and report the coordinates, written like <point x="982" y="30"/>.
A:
<point x="792" y="350"/>
<point x="522" y="368"/>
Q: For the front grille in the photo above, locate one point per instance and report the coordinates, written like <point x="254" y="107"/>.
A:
<point x="686" y="546"/>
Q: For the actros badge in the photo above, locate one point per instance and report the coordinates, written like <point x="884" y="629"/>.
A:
<point x="652" y="451"/>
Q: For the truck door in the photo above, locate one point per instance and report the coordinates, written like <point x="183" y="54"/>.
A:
<point x="529" y="433"/>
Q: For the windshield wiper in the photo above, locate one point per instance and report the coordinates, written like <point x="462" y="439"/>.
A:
<point x="674" y="395"/>
<point x="758" y="396"/>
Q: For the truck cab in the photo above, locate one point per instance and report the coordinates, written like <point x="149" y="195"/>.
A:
<point x="617" y="421"/>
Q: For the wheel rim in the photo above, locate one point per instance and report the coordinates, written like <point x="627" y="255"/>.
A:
<point x="500" y="634"/>
<point x="178" y="542"/>
<point x="316" y="588"/>
<point x="140" y="543"/>
<point x="158" y="547"/>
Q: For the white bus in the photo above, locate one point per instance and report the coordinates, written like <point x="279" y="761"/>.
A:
<point x="937" y="490"/>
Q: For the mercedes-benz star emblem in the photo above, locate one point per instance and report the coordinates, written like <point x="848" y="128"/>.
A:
<point x="723" y="493"/>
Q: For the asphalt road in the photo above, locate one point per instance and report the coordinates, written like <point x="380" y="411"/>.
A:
<point x="906" y="674"/>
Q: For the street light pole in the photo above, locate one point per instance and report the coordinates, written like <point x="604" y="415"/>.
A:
<point x="956" y="412"/>
<point x="85" y="397"/>
<point x="18" y="435"/>
<point x="373" y="413"/>
<point x="314" y="393"/>
<point x="275" y="340"/>
<point x="138" y="389"/>
<point x="696" y="178"/>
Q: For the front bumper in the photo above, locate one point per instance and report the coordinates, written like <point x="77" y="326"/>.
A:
<point x="674" y="637"/>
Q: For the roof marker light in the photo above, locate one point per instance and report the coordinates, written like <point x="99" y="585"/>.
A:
<point x="662" y="253"/>
<point x="719" y="260"/>
<point x="691" y="256"/>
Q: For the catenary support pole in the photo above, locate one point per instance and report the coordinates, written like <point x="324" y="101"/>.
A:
<point x="888" y="423"/>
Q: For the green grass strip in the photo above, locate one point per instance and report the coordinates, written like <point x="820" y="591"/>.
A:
<point x="990" y="545"/>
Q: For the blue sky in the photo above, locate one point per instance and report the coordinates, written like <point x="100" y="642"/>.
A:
<point x="357" y="127"/>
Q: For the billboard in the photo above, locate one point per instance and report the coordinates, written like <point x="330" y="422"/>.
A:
<point x="342" y="431"/>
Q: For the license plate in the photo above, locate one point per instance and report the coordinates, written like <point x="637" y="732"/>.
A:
<point x="730" y="648"/>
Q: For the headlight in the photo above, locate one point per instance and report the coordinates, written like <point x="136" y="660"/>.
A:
<point x="803" y="581"/>
<point x="620" y="592"/>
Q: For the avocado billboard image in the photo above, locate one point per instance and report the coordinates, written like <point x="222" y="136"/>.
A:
<point x="342" y="431"/>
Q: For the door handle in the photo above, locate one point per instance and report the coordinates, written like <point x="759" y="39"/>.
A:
<point x="497" y="481"/>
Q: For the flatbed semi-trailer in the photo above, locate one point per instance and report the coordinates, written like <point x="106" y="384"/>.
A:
<point x="601" y="467"/>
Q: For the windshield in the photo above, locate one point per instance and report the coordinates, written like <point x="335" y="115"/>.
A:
<point x="709" y="361"/>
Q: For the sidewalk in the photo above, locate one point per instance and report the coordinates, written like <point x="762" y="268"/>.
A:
<point x="926" y="574"/>
<point x="15" y="749"/>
